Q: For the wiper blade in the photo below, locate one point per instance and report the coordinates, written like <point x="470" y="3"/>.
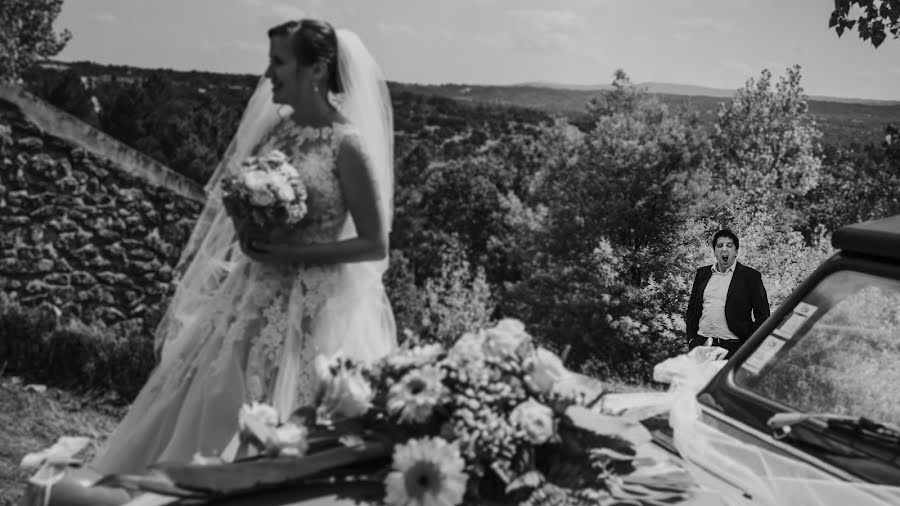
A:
<point x="781" y="424"/>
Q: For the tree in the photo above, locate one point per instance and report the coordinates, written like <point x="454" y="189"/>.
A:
<point x="72" y="96"/>
<point x="600" y="232"/>
<point x="28" y="35"/>
<point x="765" y="143"/>
<point x="879" y="17"/>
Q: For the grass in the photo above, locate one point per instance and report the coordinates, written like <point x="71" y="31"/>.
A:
<point x="32" y="421"/>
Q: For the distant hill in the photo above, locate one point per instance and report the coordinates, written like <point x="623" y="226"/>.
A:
<point x="842" y="120"/>
<point x="693" y="90"/>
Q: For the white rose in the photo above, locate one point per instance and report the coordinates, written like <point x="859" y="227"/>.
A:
<point x="322" y="366"/>
<point x="290" y="439"/>
<point x="284" y="192"/>
<point x="296" y="212"/>
<point x="261" y="413"/>
<point x="255" y="180"/>
<point x="275" y="158"/>
<point x="546" y="370"/>
<point x="288" y="171"/>
<point x="535" y="419"/>
<point x="345" y="392"/>
<point x="505" y="338"/>
<point x="262" y="198"/>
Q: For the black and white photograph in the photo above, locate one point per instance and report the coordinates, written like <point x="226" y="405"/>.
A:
<point x="449" y="253"/>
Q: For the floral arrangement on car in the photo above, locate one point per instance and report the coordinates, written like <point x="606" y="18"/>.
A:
<point x="491" y="419"/>
<point x="267" y="191"/>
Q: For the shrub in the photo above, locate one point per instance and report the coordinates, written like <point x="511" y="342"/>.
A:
<point x="41" y="349"/>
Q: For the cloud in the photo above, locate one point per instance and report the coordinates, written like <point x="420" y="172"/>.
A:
<point x="105" y="16"/>
<point x="705" y="24"/>
<point x="544" y="19"/>
<point x="267" y="12"/>
<point x="287" y="11"/>
<point x="549" y="30"/>
<point x="542" y="30"/>
<point x="399" y="30"/>
<point x="740" y="68"/>
<point x="233" y="45"/>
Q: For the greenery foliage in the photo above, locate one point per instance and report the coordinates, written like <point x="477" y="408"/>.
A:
<point x="877" y="19"/>
<point x="40" y="347"/>
<point x="28" y="35"/>
<point x="591" y="234"/>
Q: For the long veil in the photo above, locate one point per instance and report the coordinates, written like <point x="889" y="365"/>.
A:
<point x="212" y="250"/>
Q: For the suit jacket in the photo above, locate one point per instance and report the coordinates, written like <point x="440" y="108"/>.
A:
<point x="746" y="305"/>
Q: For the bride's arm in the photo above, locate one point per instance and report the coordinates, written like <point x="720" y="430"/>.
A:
<point x="371" y="241"/>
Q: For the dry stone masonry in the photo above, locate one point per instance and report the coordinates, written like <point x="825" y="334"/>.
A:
<point x="80" y="234"/>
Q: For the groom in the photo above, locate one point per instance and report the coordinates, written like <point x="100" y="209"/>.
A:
<point x="728" y="300"/>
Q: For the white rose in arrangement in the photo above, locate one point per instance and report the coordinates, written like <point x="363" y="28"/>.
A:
<point x="261" y="413"/>
<point x="506" y="337"/>
<point x="255" y="180"/>
<point x="288" y="171"/>
<point x="284" y="192"/>
<point x="546" y="370"/>
<point x="345" y="392"/>
<point x="262" y="198"/>
<point x="535" y="419"/>
<point x="291" y="439"/>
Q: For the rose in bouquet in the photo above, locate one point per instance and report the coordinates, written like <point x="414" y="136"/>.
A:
<point x="266" y="191"/>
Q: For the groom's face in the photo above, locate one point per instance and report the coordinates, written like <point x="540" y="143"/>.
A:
<point x="284" y="72"/>
<point x="726" y="252"/>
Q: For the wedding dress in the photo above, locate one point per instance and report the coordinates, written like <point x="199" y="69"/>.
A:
<point x="238" y="330"/>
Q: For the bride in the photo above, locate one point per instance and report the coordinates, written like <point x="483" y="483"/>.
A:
<point x="255" y="307"/>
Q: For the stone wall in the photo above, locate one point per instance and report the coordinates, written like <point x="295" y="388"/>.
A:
<point x="94" y="239"/>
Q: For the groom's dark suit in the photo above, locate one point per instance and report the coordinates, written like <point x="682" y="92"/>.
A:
<point x="746" y="305"/>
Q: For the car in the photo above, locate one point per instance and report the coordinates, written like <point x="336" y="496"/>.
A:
<point x="810" y="405"/>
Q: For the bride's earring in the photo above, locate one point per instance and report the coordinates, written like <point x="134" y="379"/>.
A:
<point x="316" y="88"/>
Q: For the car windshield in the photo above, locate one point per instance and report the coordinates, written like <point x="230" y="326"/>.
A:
<point x="837" y="352"/>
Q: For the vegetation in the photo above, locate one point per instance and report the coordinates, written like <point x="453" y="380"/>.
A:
<point x="28" y="35"/>
<point x="877" y="19"/>
<point x="590" y="230"/>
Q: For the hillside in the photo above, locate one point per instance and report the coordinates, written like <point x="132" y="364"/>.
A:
<point x="842" y="122"/>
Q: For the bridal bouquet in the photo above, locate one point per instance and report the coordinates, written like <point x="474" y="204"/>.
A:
<point x="492" y="419"/>
<point x="267" y="191"/>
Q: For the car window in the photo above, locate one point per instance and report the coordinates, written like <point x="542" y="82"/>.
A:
<point x="837" y="352"/>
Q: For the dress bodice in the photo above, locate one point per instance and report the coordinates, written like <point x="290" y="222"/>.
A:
<point x="313" y="153"/>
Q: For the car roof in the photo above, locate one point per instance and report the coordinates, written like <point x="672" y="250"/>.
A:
<point x="876" y="237"/>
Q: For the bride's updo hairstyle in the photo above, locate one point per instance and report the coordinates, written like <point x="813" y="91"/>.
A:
<point x="313" y="41"/>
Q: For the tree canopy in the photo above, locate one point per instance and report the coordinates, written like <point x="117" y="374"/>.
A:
<point x="28" y="35"/>
<point x="877" y="19"/>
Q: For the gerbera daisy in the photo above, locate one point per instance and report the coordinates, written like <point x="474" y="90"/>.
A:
<point x="426" y="472"/>
<point x="415" y="396"/>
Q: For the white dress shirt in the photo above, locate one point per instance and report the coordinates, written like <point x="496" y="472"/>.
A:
<point x="712" y="319"/>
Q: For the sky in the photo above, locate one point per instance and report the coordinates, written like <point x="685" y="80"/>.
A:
<point x="714" y="43"/>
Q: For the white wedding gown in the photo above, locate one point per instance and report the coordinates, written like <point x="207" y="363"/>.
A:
<point x="256" y="337"/>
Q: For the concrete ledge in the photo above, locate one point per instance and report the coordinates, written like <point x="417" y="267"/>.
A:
<point x="65" y="126"/>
